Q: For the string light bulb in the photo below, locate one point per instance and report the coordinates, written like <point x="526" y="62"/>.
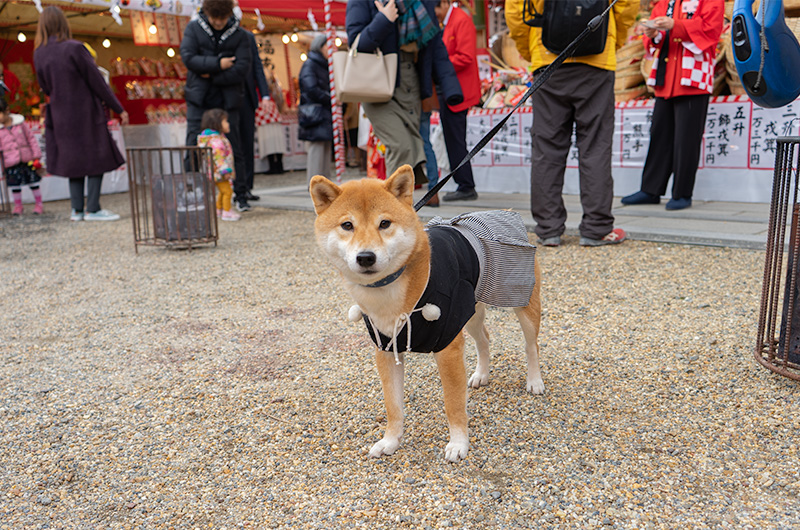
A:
<point x="170" y="52"/>
<point x="303" y="57"/>
<point x="295" y="38"/>
<point x="153" y="29"/>
<point x="21" y="37"/>
<point x="285" y="39"/>
<point x="338" y="42"/>
<point x="106" y="43"/>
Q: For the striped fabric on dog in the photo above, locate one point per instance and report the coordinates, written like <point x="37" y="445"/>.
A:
<point x="507" y="259"/>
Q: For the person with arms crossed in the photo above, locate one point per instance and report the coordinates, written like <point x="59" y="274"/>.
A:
<point x="217" y="55"/>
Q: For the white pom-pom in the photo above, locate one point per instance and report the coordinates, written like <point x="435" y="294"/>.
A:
<point x="354" y="314"/>
<point x="431" y="312"/>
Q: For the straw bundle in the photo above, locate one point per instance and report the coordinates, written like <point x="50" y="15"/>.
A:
<point x="628" y="77"/>
<point x="620" y="96"/>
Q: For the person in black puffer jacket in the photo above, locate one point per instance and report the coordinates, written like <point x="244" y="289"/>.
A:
<point x="314" y="113"/>
<point x="218" y="57"/>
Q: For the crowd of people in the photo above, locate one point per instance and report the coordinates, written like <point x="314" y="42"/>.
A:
<point x="435" y="42"/>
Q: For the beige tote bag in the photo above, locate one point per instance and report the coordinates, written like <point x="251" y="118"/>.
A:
<point x="364" y="77"/>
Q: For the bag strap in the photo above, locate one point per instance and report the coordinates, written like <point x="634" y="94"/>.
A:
<point x="529" y="10"/>
<point x="593" y="25"/>
<point x="354" y="48"/>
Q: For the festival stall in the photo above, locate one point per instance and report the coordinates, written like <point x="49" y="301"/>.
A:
<point x="145" y="77"/>
<point x="278" y="27"/>
<point x="738" y="147"/>
<point x="137" y="43"/>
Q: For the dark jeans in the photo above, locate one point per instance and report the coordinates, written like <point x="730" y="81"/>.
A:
<point x="454" y="127"/>
<point x="432" y="169"/>
<point x="676" y="138"/>
<point x="247" y="132"/>
<point x="194" y="117"/>
<point x="92" y="193"/>
<point x="583" y="96"/>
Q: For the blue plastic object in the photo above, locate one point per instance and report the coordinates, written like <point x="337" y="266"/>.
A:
<point x="780" y="76"/>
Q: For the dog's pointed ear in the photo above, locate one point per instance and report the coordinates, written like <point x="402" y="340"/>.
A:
<point x="401" y="184"/>
<point x="323" y="193"/>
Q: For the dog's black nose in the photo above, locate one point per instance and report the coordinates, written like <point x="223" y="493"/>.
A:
<point x="366" y="259"/>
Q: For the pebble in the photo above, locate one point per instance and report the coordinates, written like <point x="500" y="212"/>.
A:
<point x="225" y="388"/>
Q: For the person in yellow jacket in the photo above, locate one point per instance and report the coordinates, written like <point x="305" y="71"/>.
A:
<point x="580" y="92"/>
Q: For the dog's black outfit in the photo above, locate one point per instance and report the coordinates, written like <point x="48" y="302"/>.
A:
<point x="484" y="257"/>
<point x="454" y="275"/>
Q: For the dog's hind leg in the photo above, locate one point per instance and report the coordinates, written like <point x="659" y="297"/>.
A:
<point x="477" y="330"/>
<point x="392" y="382"/>
<point x="530" y="318"/>
<point x="453" y="373"/>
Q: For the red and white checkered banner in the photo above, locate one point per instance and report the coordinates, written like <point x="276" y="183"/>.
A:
<point x="267" y="112"/>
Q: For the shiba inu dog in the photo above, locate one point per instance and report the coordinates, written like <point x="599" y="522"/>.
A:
<point x="416" y="288"/>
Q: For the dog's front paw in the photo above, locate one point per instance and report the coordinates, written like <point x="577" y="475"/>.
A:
<point x="387" y="446"/>
<point x="478" y="380"/>
<point x="535" y="386"/>
<point x="456" y="450"/>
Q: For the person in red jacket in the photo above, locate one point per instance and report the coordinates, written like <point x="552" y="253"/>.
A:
<point x="685" y="33"/>
<point x="9" y="84"/>
<point x="460" y="39"/>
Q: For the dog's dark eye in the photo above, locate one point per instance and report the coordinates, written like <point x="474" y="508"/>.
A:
<point x="347" y="225"/>
<point x="385" y="224"/>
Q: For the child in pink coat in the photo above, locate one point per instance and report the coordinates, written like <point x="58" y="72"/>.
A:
<point x="21" y="154"/>
<point x="215" y="126"/>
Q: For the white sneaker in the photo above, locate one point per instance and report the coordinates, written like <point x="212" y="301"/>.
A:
<point x="100" y="215"/>
<point x="76" y="216"/>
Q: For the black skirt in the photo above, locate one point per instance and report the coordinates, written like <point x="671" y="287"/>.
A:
<point x="21" y="175"/>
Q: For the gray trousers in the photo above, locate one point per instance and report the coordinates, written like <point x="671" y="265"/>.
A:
<point x="582" y="95"/>
<point x="318" y="161"/>
<point x="95" y="182"/>
<point x="396" y="122"/>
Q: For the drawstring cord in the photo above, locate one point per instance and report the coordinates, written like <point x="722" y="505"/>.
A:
<point x="430" y="313"/>
<point x="401" y="320"/>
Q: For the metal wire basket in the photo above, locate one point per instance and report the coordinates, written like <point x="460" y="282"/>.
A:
<point x="173" y="197"/>
<point x="778" y="346"/>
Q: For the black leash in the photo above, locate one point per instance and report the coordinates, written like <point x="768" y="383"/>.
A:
<point x="539" y="81"/>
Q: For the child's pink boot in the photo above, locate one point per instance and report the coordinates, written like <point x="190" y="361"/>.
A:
<point x="17" y="195"/>
<point x="37" y="196"/>
<point x="230" y="216"/>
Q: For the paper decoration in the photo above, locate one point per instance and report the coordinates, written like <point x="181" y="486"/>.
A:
<point x="173" y="31"/>
<point x="138" y="29"/>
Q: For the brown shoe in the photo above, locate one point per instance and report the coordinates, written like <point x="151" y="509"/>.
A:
<point x="434" y="201"/>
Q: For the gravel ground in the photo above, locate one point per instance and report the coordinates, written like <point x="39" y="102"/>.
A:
<point x="224" y="388"/>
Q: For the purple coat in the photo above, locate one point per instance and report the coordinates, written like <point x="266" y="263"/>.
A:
<point x="77" y="140"/>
